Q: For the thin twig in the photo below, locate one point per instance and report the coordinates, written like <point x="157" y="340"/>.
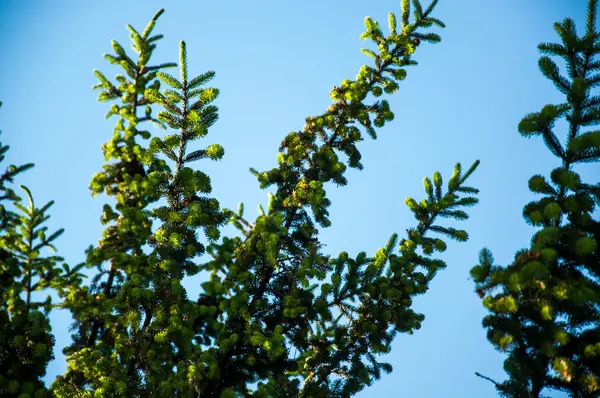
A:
<point x="487" y="378"/>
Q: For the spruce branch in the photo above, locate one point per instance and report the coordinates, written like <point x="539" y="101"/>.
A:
<point x="119" y="250"/>
<point x="306" y="170"/>
<point x="534" y="315"/>
<point x="26" y="338"/>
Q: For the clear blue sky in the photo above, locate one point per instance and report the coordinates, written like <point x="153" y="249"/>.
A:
<point x="276" y="62"/>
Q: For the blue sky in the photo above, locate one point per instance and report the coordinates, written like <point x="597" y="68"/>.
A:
<point x="276" y="62"/>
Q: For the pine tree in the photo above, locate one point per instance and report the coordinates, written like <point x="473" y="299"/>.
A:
<point x="26" y="341"/>
<point x="296" y="321"/>
<point x="278" y="317"/>
<point x="101" y="356"/>
<point x="544" y="307"/>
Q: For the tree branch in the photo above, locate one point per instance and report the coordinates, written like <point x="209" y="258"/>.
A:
<point x="487" y="378"/>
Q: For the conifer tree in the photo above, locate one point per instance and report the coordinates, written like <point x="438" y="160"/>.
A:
<point x="101" y="357"/>
<point x="296" y="321"/>
<point x="544" y="307"/>
<point x="26" y="341"/>
<point x="277" y="317"/>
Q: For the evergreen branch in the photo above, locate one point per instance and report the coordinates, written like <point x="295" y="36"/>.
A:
<point x="520" y="317"/>
<point x="111" y="247"/>
<point x="152" y="23"/>
<point x="170" y="80"/>
<point x="154" y="38"/>
<point x="161" y="66"/>
<point x="553" y="49"/>
<point x="201" y="80"/>
<point x="590" y="28"/>
<point x="487" y="378"/>
<point x="550" y="69"/>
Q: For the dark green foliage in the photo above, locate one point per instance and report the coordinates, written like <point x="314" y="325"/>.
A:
<point x="544" y="306"/>
<point x="26" y="342"/>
